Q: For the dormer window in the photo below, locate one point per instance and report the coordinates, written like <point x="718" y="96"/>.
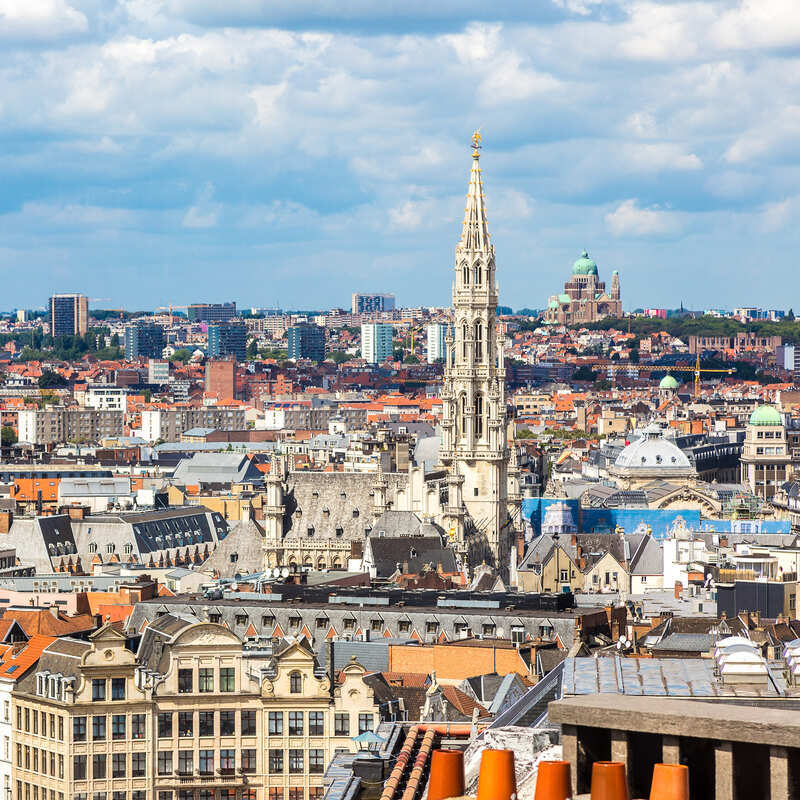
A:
<point x="92" y="547"/>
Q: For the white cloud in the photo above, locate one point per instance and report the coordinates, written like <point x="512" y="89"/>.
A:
<point x="39" y="19"/>
<point x="629" y="219"/>
<point x="205" y="212"/>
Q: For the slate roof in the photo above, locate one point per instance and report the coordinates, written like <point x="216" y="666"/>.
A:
<point x="215" y="468"/>
<point x="245" y="543"/>
<point x="412" y="553"/>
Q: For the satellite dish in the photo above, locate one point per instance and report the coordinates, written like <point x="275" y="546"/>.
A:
<point x="285" y="572"/>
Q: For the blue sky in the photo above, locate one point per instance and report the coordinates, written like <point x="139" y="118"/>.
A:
<point x="295" y="151"/>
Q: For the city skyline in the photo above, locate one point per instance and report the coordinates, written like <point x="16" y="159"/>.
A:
<point x="155" y="152"/>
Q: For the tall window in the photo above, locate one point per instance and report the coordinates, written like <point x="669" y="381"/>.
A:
<point x="464" y="337"/>
<point x="295" y="683"/>
<point x="164" y="762"/>
<point x="137" y="726"/>
<point x="275" y="723"/>
<point x="184" y="680"/>
<point x="465" y="273"/>
<point x="79" y="729"/>
<point x="276" y="762"/>
<point x="186" y="762"/>
<point x="164" y="724"/>
<point x="365" y="723"/>
<point x="227" y="723"/>
<point x="226" y="679"/>
<point x="206" y="763"/>
<point x="79" y="768"/>
<point x="247" y="721"/>
<point x="118" y="688"/>
<point x="478" y="336"/>
<point x="227" y="761"/>
<point x="341" y="724"/>
<point x="296" y="762"/>
<point x="248" y="760"/>
<point x="98" y="766"/>
<point x="119" y="765"/>
<point x="99" y="727"/>
<point x="118" y="726"/>
<point x="98" y="689"/>
<point x="205" y="680"/>
<point x="206" y="723"/>
<point x="478" y="416"/>
<point x="138" y="765"/>
<point x="316" y="724"/>
<point x="185" y="723"/>
<point x="462" y="416"/>
<point x="478" y="274"/>
<point x="295" y="723"/>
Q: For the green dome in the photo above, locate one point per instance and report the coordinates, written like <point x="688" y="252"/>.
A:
<point x="584" y="265"/>
<point x="553" y="304"/>
<point x="668" y="382"/>
<point x="766" y="415"/>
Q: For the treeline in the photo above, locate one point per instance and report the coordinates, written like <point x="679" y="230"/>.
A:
<point x="36" y="346"/>
<point x="682" y="327"/>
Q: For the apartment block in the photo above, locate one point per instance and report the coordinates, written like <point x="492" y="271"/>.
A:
<point x="69" y="314"/>
<point x="58" y="425"/>
<point x="168" y="424"/>
<point x="376" y="342"/>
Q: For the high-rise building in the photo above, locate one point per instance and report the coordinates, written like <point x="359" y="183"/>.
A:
<point x="306" y="341"/>
<point x="143" y="340"/>
<point x="221" y="378"/>
<point x="474" y="446"/>
<point x="211" y="312"/>
<point x="368" y="303"/>
<point x="69" y="315"/>
<point x="228" y="339"/>
<point x="437" y="341"/>
<point x="376" y="342"/>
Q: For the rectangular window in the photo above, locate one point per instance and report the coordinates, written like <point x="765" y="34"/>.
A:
<point x="275" y="723"/>
<point x="98" y="766"/>
<point x="365" y="723"/>
<point x="316" y="761"/>
<point x="248" y="760"/>
<point x="227" y="682"/>
<point x="27" y="719"/>
<point x="276" y="762"/>
<point x="276" y="793"/>
<point x="164" y="724"/>
<point x="139" y="794"/>
<point x="36" y="721"/>
<point x="206" y="762"/>
<point x="79" y="729"/>
<point x="316" y="724"/>
<point x="205" y="681"/>
<point x="79" y="768"/>
<point x="185" y="723"/>
<point x="61" y="766"/>
<point x="165" y="795"/>
<point x="341" y="723"/>
<point x="119" y="765"/>
<point x="118" y="795"/>
<point x="296" y="762"/>
<point x="227" y="761"/>
<point x="137" y="726"/>
<point x="227" y="723"/>
<point x="61" y="729"/>
<point x="164" y="762"/>
<point x="118" y="688"/>
<point x="205" y="724"/>
<point x="247" y="720"/>
<point x="184" y="680"/>
<point x="52" y="726"/>
<point x="315" y="793"/>
<point x="98" y="689"/>
<point x="185" y="762"/>
<point x="296" y="793"/>
<point x="118" y="726"/>
<point x="138" y="764"/>
<point x="295" y="723"/>
<point x="98" y="727"/>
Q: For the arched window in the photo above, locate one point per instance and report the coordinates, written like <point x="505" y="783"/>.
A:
<point x="295" y="683"/>
<point x="462" y="416"/>
<point x="464" y="334"/>
<point x="478" y="341"/>
<point x="478" y="274"/>
<point x="465" y="274"/>
<point x="478" y="416"/>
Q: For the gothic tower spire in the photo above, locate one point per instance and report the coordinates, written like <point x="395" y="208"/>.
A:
<point x="473" y="394"/>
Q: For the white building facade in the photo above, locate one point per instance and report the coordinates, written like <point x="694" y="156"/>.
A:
<point x="376" y="342"/>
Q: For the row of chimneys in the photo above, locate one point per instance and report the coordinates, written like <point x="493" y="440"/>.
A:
<point x="497" y="778"/>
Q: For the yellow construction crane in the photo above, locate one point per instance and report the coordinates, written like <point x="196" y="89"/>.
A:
<point x="696" y="370"/>
<point x="169" y="308"/>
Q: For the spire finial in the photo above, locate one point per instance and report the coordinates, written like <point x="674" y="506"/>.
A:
<point x="476" y="143"/>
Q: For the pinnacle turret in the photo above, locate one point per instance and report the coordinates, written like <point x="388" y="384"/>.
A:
<point x="475" y="230"/>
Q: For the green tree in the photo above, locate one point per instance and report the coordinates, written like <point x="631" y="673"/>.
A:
<point x="411" y="359"/>
<point x="339" y="356"/>
<point x="115" y="340"/>
<point x="182" y="354"/>
<point x="51" y="380"/>
<point x="252" y="350"/>
<point x="8" y="436"/>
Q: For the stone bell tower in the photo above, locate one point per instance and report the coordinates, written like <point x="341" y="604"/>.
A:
<point x="473" y="395"/>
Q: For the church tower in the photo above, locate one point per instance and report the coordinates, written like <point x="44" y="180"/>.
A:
<point x="473" y="395"/>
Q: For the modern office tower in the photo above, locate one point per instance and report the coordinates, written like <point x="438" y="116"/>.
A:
<point x="306" y="341"/>
<point x="221" y="378"/>
<point x="211" y="312"/>
<point x="376" y="342"/>
<point x="367" y="303"/>
<point x="228" y="339"/>
<point x="69" y="315"/>
<point x="143" y="340"/>
<point x="437" y="336"/>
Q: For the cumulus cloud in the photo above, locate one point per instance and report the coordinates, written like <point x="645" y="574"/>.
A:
<point x="630" y="219"/>
<point x="39" y="20"/>
<point x="205" y="212"/>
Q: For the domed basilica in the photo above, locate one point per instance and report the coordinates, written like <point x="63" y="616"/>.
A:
<point x="584" y="298"/>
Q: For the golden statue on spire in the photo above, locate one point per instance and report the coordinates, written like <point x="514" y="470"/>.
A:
<point x="476" y="143"/>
